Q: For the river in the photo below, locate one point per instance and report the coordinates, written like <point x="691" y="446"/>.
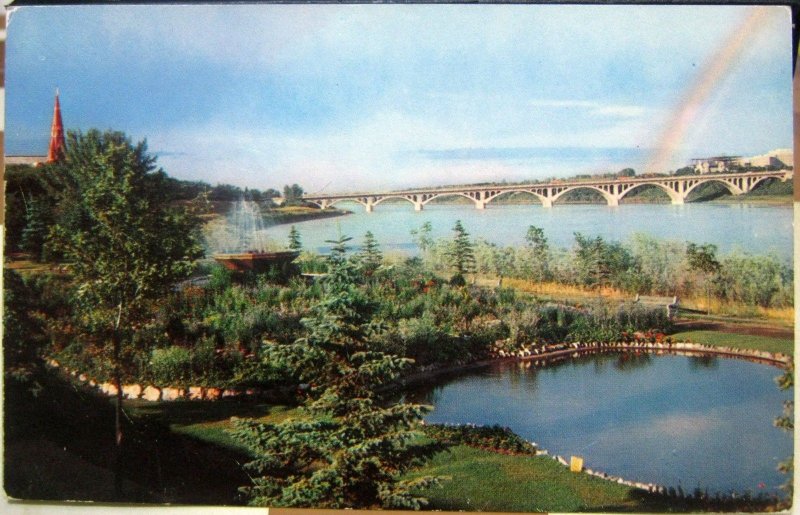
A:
<point x="750" y="227"/>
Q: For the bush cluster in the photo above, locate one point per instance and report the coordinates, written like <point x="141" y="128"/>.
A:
<point x="494" y="438"/>
<point x="218" y="334"/>
<point x="225" y="332"/>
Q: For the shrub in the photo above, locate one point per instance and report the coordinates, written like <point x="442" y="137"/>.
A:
<point x="423" y="342"/>
<point x="170" y="365"/>
<point x="522" y="323"/>
<point x="495" y="438"/>
<point x="594" y="328"/>
<point x="221" y="278"/>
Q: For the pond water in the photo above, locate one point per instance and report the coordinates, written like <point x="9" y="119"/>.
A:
<point x="671" y="420"/>
<point x="755" y="228"/>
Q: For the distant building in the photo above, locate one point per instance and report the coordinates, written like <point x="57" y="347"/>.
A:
<point x="55" y="151"/>
<point x="715" y="164"/>
<point x="778" y="158"/>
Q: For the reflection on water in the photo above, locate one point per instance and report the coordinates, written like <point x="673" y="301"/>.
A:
<point x="704" y="361"/>
<point x="673" y="420"/>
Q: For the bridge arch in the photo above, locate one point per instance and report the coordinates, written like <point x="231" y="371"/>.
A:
<point x="610" y="199"/>
<point x="541" y="198"/>
<point x="673" y="195"/>
<point x="759" y="180"/>
<point x="388" y="197"/>
<point x="735" y="190"/>
<point x="333" y="202"/>
<point x="447" y="194"/>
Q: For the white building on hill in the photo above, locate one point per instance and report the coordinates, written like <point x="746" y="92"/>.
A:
<point x="778" y="158"/>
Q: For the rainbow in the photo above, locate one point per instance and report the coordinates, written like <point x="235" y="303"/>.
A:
<point x="709" y="78"/>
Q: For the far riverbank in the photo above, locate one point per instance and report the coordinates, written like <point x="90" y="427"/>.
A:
<point x="280" y="215"/>
<point x="296" y="214"/>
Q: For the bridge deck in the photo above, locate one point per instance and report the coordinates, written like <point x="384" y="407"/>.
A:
<point x="677" y="187"/>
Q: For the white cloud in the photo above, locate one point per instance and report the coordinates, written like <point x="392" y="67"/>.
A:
<point x="381" y="150"/>
<point x="594" y="108"/>
<point x="446" y="76"/>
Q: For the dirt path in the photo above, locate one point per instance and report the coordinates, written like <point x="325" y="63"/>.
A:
<point x="734" y="328"/>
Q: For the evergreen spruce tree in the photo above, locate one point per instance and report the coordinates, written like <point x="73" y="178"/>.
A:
<point x="294" y="239"/>
<point x="350" y="447"/>
<point x="461" y="255"/>
<point x="786" y="422"/>
<point x="370" y="254"/>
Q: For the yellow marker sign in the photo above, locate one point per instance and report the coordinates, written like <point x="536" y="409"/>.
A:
<point x="575" y="463"/>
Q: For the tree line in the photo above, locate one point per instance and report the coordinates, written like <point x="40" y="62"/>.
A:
<point x="642" y="265"/>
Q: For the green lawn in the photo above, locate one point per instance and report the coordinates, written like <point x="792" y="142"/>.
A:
<point x="480" y="480"/>
<point x="208" y="421"/>
<point x="486" y="481"/>
<point x="738" y="341"/>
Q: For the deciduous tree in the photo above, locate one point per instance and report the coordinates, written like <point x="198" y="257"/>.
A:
<point x="131" y="244"/>
<point x="536" y="242"/>
<point x="422" y="237"/>
<point x="292" y="195"/>
<point x="703" y="259"/>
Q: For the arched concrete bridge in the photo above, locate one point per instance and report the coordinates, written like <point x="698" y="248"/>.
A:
<point x="677" y="187"/>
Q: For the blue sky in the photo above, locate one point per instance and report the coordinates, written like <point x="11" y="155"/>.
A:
<point x="343" y="98"/>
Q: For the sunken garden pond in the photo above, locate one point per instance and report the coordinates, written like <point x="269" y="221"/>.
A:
<point x="690" y="421"/>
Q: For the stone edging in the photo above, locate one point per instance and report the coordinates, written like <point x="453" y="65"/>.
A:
<point x="561" y="350"/>
<point x="648" y="487"/>
<point x="155" y="393"/>
<point x="779" y="360"/>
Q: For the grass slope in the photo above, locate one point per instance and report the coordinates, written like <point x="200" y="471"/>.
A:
<point x="209" y="421"/>
<point x="738" y="341"/>
<point x="485" y="481"/>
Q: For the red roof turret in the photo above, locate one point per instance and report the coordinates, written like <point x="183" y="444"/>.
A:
<point x="57" y="143"/>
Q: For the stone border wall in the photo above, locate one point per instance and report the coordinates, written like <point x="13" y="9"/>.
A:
<point x="678" y="348"/>
<point x="543" y="355"/>
<point x="161" y="393"/>
<point x="648" y="487"/>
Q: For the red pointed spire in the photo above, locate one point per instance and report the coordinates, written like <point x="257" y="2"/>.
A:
<point x="57" y="143"/>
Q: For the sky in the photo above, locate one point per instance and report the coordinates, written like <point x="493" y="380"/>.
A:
<point x="341" y="98"/>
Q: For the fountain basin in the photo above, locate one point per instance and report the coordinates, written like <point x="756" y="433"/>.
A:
<point x="259" y="262"/>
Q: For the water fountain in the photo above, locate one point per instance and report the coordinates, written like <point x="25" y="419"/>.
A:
<point x="245" y="247"/>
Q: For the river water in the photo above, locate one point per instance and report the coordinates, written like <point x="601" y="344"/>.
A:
<point x="754" y="228"/>
<point x="670" y="420"/>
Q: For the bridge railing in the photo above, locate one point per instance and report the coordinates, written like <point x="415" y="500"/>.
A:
<point x="785" y="173"/>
